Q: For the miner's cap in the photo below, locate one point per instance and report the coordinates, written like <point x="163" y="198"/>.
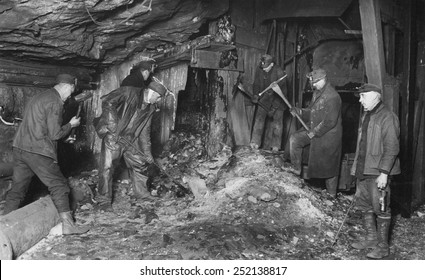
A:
<point x="267" y="59"/>
<point x="66" y="78"/>
<point x="316" y="75"/>
<point x="147" y="65"/>
<point x="158" y="88"/>
<point x="370" y="87"/>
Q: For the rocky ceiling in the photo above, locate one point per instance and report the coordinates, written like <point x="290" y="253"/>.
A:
<point x="98" y="33"/>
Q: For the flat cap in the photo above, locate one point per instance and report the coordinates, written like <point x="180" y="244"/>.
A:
<point x="158" y="88"/>
<point x="316" y="75"/>
<point x="66" y="78"/>
<point x="370" y="87"/>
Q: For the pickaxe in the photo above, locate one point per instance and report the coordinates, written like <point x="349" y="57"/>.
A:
<point x="277" y="89"/>
<point x="241" y="88"/>
<point x="80" y="98"/>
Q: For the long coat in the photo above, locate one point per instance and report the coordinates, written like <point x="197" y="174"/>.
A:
<point x="324" y="118"/>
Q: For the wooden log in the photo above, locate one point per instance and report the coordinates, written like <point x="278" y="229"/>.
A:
<point x="38" y="75"/>
<point x="23" y="228"/>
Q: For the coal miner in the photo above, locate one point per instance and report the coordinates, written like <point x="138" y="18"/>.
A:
<point x="324" y="138"/>
<point x="376" y="159"/>
<point x="35" y="151"/>
<point x="268" y="125"/>
<point x="124" y="127"/>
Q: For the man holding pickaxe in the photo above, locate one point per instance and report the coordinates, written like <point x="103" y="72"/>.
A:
<point x="267" y="126"/>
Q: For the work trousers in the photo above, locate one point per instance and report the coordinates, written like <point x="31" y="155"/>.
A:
<point x="111" y="154"/>
<point x="297" y="142"/>
<point x="367" y="197"/>
<point x="267" y="131"/>
<point x="47" y="170"/>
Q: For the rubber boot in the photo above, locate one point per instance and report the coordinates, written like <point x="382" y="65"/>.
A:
<point x="140" y="188"/>
<point x="68" y="225"/>
<point x="382" y="250"/>
<point x="371" y="237"/>
<point x="332" y="186"/>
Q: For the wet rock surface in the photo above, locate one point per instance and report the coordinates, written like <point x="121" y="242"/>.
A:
<point x="250" y="207"/>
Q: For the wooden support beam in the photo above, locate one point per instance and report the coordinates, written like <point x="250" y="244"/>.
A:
<point x="23" y="74"/>
<point x="407" y="107"/>
<point x="373" y="43"/>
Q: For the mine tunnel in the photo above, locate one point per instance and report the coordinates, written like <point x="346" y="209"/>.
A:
<point x="236" y="81"/>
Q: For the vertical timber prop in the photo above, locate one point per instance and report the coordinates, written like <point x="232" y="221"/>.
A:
<point x="23" y="228"/>
<point x="217" y="115"/>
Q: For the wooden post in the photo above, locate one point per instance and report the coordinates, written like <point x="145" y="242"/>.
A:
<point x="373" y="43"/>
<point x="217" y="113"/>
<point x="407" y="108"/>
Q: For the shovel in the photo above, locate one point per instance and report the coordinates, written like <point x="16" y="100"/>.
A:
<point x="129" y="144"/>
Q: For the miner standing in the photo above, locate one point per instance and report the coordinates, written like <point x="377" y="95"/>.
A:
<point x="376" y="159"/>
<point x="268" y="125"/>
<point x="35" y="150"/>
<point x="324" y="138"/>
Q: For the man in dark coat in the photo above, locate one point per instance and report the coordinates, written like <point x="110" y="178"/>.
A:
<point x="375" y="161"/>
<point x="268" y="125"/>
<point x="127" y="113"/>
<point x="325" y="135"/>
<point x="35" y="150"/>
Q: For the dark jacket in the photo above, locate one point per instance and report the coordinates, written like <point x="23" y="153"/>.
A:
<point x="41" y="126"/>
<point x="324" y="118"/>
<point x="263" y="79"/>
<point x="382" y="144"/>
<point x="125" y="114"/>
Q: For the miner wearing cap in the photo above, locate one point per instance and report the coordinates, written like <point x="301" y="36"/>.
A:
<point x="267" y="125"/>
<point x="324" y="137"/>
<point x="35" y="150"/>
<point x="375" y="161"/>
<point x="127" y="113"/>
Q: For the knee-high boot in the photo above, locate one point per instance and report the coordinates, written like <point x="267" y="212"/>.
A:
<point x="382" y="249"/>
<point x="371" y="237"/>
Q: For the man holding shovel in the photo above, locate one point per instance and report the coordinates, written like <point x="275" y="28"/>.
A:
<point x="126" y="118"/>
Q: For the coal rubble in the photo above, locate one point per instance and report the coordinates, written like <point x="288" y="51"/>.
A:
<point x="241" y="204"/>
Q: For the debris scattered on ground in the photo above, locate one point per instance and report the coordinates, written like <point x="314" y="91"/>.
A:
<point x="243" y="205"/>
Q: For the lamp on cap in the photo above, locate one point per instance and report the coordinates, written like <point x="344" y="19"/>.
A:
<point x="316" y="75"/>
<point x="66" y="78"/>
<point x="266" y="60"/>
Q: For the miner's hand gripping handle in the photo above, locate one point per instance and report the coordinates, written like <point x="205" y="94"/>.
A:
<point x="280" y="93"/>
<point x="72" y="136"/>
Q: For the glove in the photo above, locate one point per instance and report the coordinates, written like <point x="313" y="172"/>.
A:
<point x="254" y="99"/>
<point x="310" y="134"/>
<point x="295" y="111"/>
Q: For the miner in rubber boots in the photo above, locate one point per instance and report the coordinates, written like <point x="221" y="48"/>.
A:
<point x="267" y="126"/>
<point x="124" y="127"/>
<point x="376" y="160"/>
<point x="35" y="151"/>
<point x="324" y="138"/>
